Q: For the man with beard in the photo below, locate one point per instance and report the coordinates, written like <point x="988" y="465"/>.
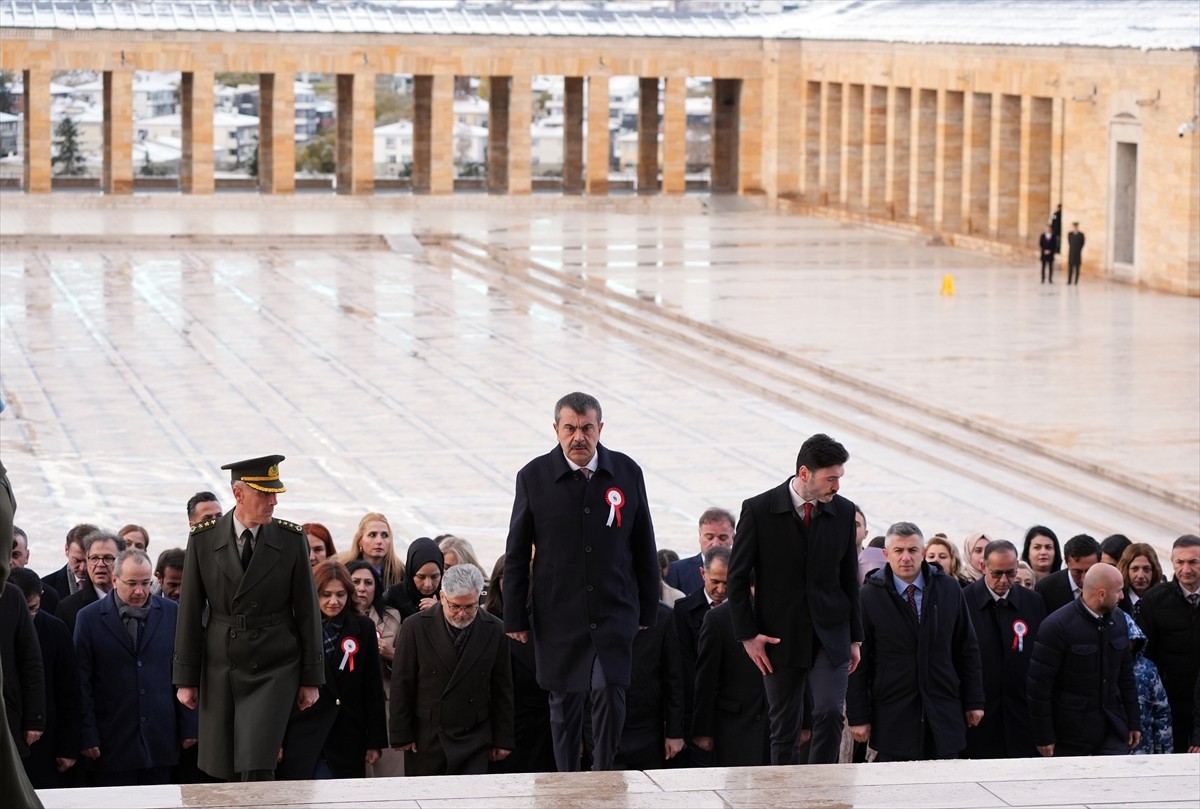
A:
<point x="452" y="693"/>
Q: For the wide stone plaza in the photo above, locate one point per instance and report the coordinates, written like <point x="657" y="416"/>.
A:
<point x="405" y="354"/>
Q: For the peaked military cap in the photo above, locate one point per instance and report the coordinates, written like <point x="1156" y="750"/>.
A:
<point x="258" y="473"/>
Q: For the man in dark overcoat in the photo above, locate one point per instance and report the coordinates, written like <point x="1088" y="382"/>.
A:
<point x="1006" y="619"/>
<point x="262" y="650"/>
<point x="1075" y="240"/>
<point x="452" y="692"/>
<point x="688" y="615"/>
<point x="1082" y="695"/>
<point x="919" y="684"/>
<point x="132" y="728"/>
<point x="582" y="509"/>
<point x="804" y="628"/>
<point x="729" y="720"/>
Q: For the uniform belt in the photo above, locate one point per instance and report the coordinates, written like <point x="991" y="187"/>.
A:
<point x="241" y="622"/>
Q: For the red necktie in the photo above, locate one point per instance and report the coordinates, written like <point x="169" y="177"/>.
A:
<point x="808" y="510"/>
<point x="910" y="592"/>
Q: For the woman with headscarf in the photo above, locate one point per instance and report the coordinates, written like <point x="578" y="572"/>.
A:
<point x="422" y="582"/>
<point x="367" y="597"/>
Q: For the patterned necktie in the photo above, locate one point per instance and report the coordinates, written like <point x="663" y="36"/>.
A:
<point x="910" y="592"/>
<point x="587" y="473"/>
<point x="1194" y="600"/>
<point x="247" y="548"/>
<point x="808" y="512"/>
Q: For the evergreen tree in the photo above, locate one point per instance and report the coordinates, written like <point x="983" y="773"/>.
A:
<point x="66" y="143"/>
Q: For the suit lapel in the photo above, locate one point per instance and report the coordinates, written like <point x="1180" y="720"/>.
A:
<point x="439" y="638"/>
<point x="153" y="619"/>
<point x="111" y="618"/>
<point x="225" y="549"/>
<point x="476" y="644"/>
<point x="266" y="555"/>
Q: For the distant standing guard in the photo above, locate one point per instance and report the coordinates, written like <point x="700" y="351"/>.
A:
<point x="1046" y="245"/>
<point x="595" y="577"/>
<point x="1074" y="253"/>
<point x="263" y="648"/>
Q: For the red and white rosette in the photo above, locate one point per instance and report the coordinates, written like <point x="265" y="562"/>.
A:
<point x="1020" y="630"/>
<point x="615" y="500"/>
<point x="350" y="648"/>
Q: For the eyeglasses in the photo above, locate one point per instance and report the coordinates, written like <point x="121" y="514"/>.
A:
<point x="107" y="560"/>
<point x="1003" y="574"/>
<point x="460" y="608"/>
<point x="144" y="583"/>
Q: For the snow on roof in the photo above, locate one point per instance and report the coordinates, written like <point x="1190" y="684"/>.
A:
<point x="1143" y="24"/>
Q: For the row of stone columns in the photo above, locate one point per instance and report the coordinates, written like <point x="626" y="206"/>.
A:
<point x="585" y="159"/>
<point x="967" y="162"/>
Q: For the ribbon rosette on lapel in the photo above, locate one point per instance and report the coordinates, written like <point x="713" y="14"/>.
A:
<point x="615" y="501"/>
<point x="350" y="647"/>
<point x="1020" y="629"/>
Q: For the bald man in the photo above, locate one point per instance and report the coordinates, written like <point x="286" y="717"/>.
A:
<point x="1082" y="696"/>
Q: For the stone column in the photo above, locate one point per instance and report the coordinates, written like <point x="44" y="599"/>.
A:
<point x="647" y="132"/>
<point x="674" y="150"/>
<point x="812" y="143"/>
<point x="1036" y="138"/>
<point x="924" y="189"/>
<point x="875" y="150"/>
<point x="573" y="146"/>
<point x="950" y="159"/>
<point x="1006" y="174"/>
<point x="355" y="133"/>
<point x="831" y="185"/>
<point x="422" y="133"/>
<point x="37" y="135"/>
<point x="117" y="177"/>
<point x="277" y="133"/>
<point x="853" y="170"/>
<point x="750" y="119"/>
<point x="977" y="162"/>
<point x="899" y="157"/>
<point x="725" y="135"/>
<point x="196" y="117"/>
<point x="520" y="115"/>
<point x="497" y="158"/>
<point x="599" y="145"/>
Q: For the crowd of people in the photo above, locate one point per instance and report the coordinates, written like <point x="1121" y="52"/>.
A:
<point x="262" y="651"/>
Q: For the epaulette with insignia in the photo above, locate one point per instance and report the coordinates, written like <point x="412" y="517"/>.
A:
<point x="290" y="525"/>
<point x="203" y="526"/>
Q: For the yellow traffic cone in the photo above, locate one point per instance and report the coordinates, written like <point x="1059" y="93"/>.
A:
<point x="947" y="284"/>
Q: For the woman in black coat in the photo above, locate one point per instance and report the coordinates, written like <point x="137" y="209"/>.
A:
<point x="422" y="582"/>
<point x="347" y="728"/>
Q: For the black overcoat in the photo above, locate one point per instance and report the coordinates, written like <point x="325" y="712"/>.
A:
<point x="61" y="739"/>
<point x="731" y="703"/>
<point x="915" y="676"/>
<point x="1004" y="731"/>
<point x="455" y="709"/>
<point x="594" y="580"/>
<point x="1081" y="686"/>
<point x="1055" y="590"/>
<point x="807" y="579"/>
<point x="688" y="615"/>
<point x="349" y="718"/>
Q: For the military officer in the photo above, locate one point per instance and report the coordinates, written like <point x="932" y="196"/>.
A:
<point x="262" y="650"/>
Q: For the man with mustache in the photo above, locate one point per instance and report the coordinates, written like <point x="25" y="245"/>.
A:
<point x="595" y="577"/>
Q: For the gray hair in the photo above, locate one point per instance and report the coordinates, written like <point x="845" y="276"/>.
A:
<point x="462" y="580"/>
<point x="136" y="555"/>
<point x="100" y="535"/>
<point x="716" y="552"/>
<point x="904" y="529"/>
<point x="581" y="403"/>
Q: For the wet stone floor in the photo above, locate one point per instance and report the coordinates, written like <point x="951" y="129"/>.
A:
<point x="406" y="359"/>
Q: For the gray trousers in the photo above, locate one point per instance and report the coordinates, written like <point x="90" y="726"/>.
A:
<point x="608" y="720"/>
<point x="785" y="697"/>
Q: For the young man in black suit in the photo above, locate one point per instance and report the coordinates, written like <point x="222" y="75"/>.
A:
<point x="804" y="628"/>
<point x="1066" y="585"/>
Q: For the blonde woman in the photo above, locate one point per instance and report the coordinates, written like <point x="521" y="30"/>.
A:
<point x="373" y="543"/>
<point x="941" y="550"/>
<point x="457" y="551"/>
